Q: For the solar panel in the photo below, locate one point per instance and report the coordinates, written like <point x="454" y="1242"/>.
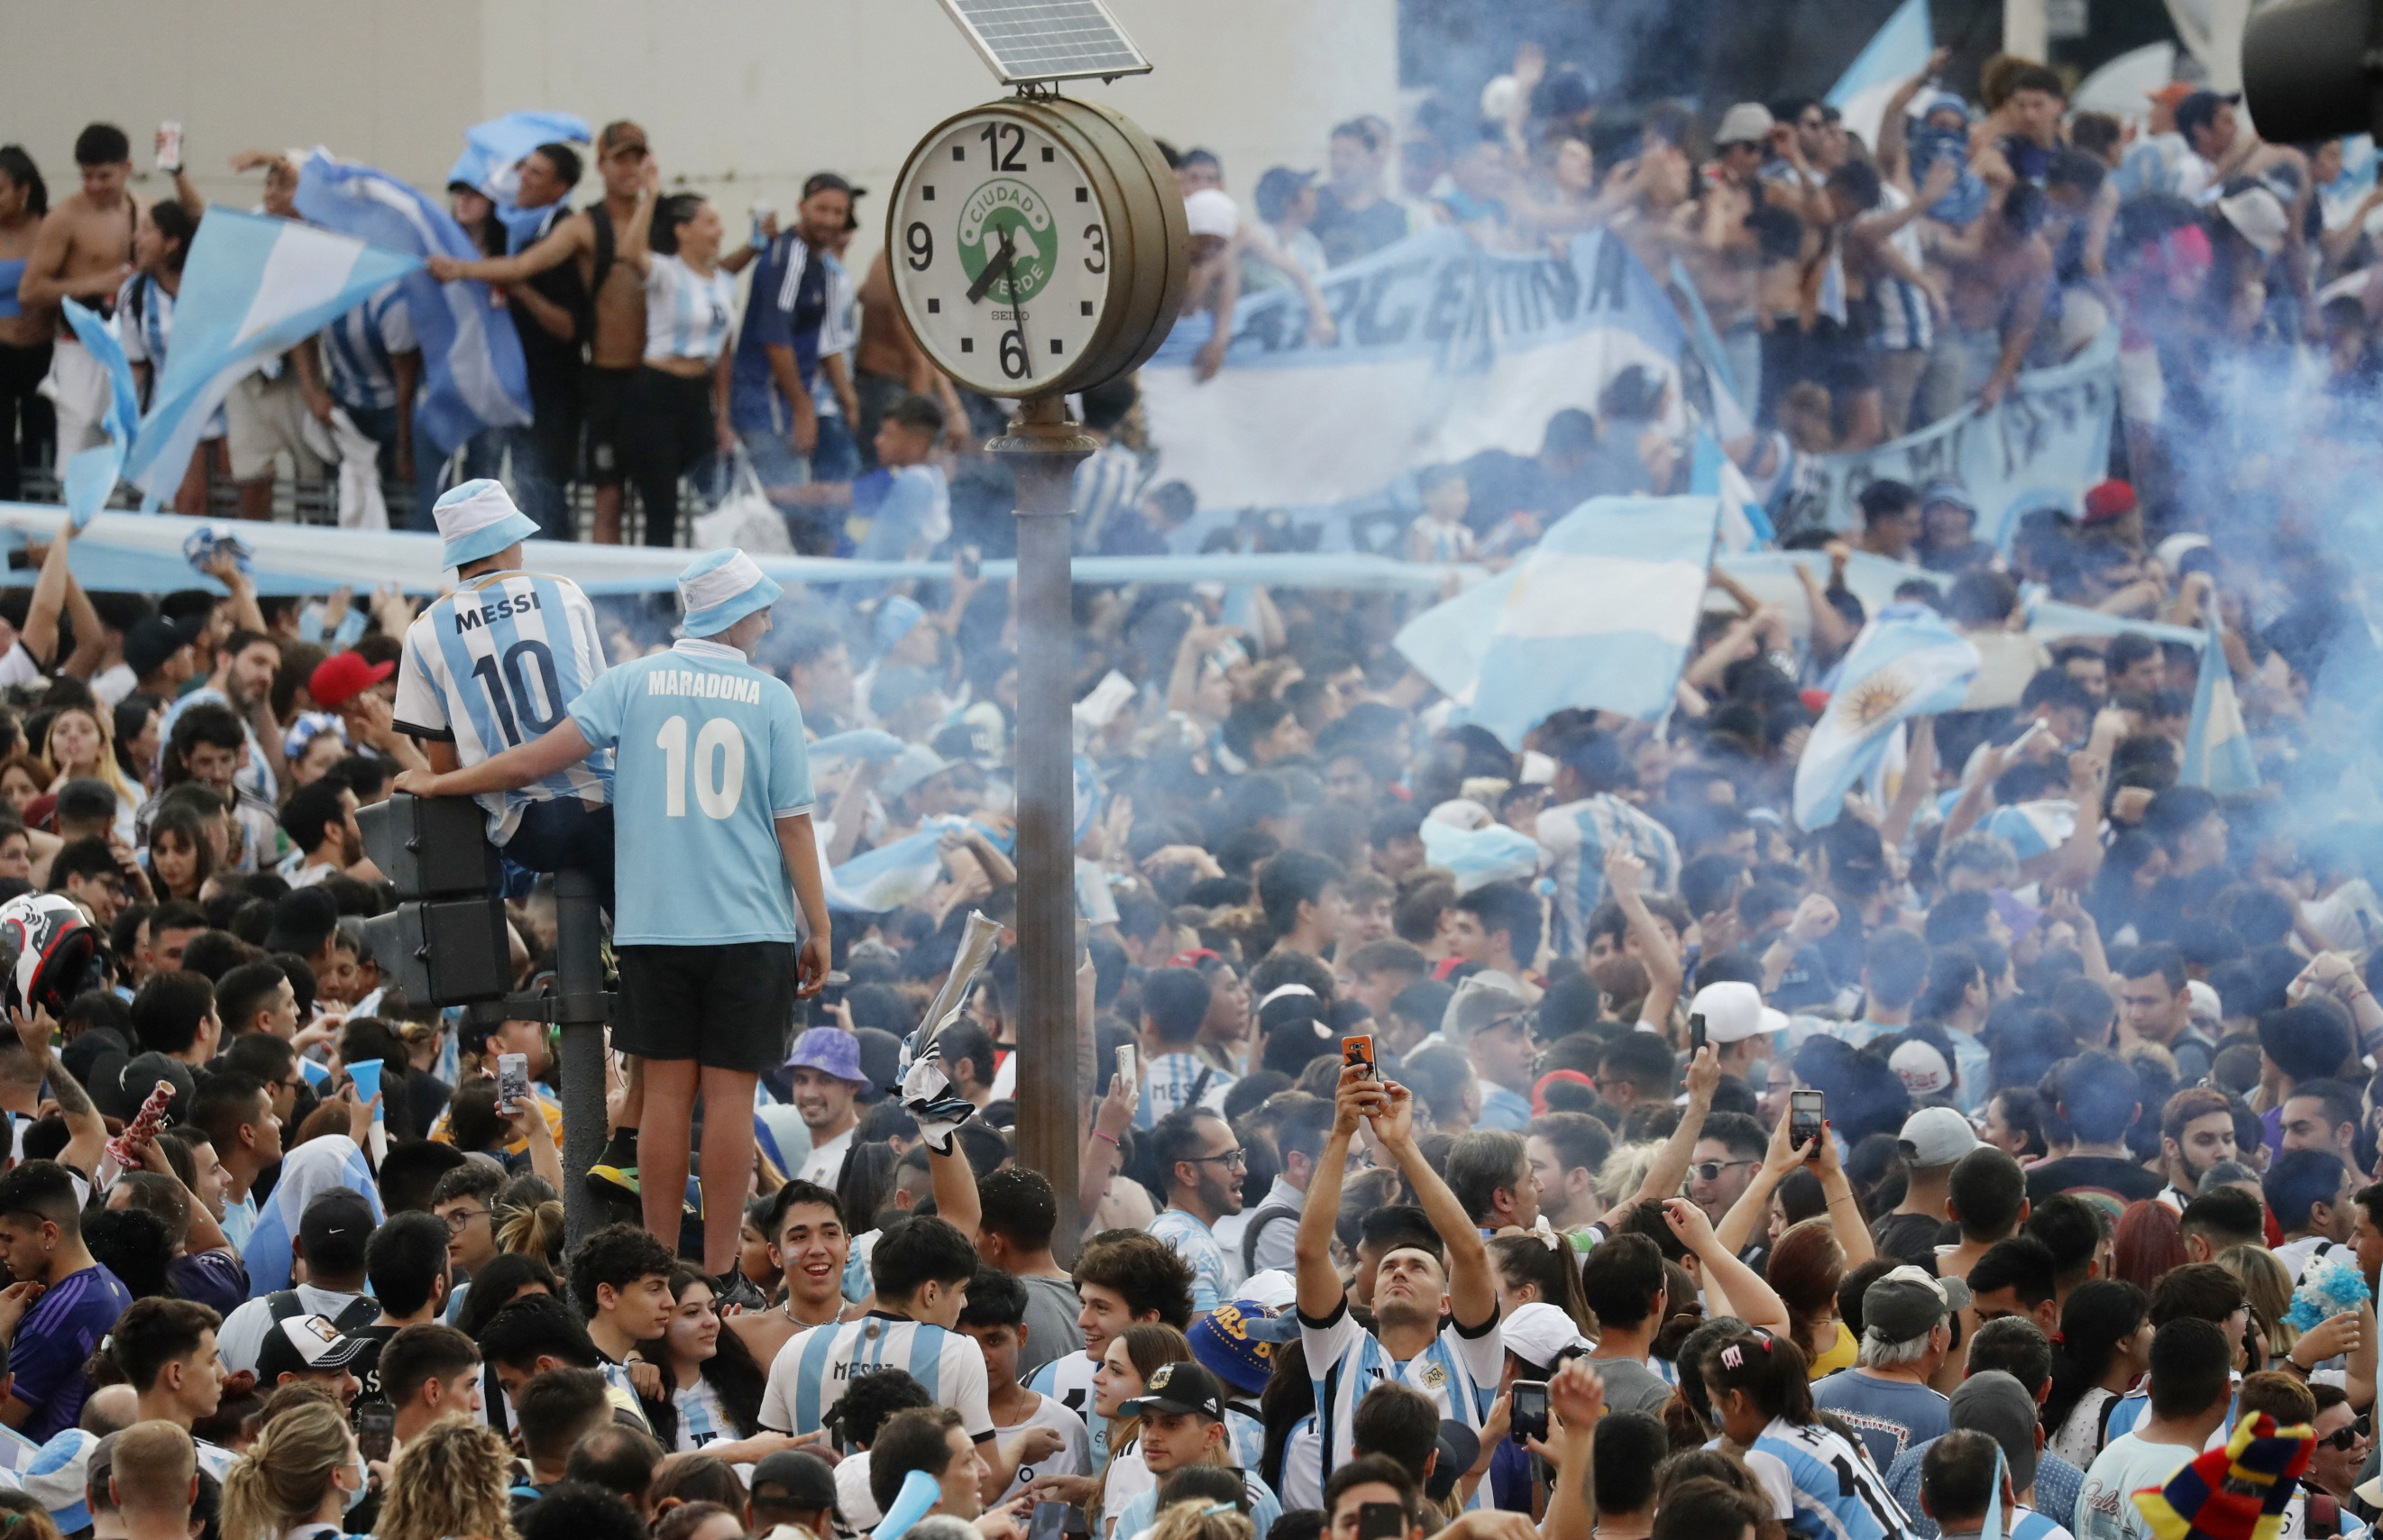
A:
<point x="1047" y="40"/>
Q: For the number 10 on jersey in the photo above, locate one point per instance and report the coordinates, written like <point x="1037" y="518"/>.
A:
<point x="718" y="767"/>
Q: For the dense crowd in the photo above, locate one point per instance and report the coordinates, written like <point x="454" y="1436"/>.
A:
<point x="1484" y="1137"/>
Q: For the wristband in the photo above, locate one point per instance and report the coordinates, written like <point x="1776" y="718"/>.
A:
<point x="1110" y="1137"/>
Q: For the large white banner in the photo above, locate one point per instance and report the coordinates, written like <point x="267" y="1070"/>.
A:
<point x="1442" y="350"/>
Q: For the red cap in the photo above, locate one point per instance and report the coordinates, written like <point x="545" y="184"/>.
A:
<point x="2172" y="92"/>
<point x="1815" y="701"/>
<point x="2108" y="501"/>
<point x="1555" y="1077"/>
<point x="343" y="676"/>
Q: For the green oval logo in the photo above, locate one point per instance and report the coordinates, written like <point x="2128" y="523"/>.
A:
<point x="1006" y="211"/>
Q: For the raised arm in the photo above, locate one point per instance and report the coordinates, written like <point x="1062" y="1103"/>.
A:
<point x="41" y="633"/>
<point x="1472" y="1288"/>
<point x="1779" y="1161"/>
<point x="1671" y="1164"/>
<point x="1751" y="1299"/>
<point x="1577" y="1398"/>
<point x="1320" y="1289"/>
<point x="1623" y="872"/>
<point x="86" y="1134"/>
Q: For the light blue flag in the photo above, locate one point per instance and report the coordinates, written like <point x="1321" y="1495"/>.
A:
<point x="1447" y="642"/>
<point x="1729" y="392"/>
<point x="2217" y="745"/>
<point x="1898" y="51"/>
<point x="473" y="375"/>
<point x="91" y="476"/>
<point x="307" y="1171"/>
<point x="2033" y="829"/>
<point x="1745" y="523"/>
<point x="1476" y="857"/>
<point x="492" y="156"/>
<point x="1599" y="615"/>
<point x="868" y="745"/>
<point x="891" y="875"/>
<point x="255" y="286"/>
<point x="1909" y="661"/>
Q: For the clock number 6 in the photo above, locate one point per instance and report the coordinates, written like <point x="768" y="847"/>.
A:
<point x="922" y="244"/>
<point x="1004" y="160"/>
<point x="1099" y="260"/>
<point x="1013" y="354"/>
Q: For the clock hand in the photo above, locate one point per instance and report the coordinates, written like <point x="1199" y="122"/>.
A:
<point x="1000" y="264"/>
<point x="1017" y="314"/>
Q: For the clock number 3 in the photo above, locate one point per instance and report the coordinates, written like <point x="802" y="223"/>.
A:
<point x="1099" y="260"/>
<point x="921" y="245"/>
<point x="1004" y="160"/>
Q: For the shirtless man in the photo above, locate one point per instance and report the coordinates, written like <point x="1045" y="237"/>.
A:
<point x="1726" y="260"/>
<point x="2001" y="272"/>
<point x="85" y="252"/>
<point x="1215" y="282"/>
<point x="890" y="365"/>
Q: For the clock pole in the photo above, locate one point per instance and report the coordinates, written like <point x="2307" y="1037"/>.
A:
<point x="1042" y="450"/>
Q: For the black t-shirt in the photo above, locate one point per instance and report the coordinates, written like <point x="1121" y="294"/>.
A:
<point x="2108" y="1173"/>
<point x="1907" y="1237"/>
<point x="1347" y="235"/>
<point x="365" y="1365"/>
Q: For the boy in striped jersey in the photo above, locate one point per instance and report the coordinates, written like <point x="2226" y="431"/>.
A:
<point x="1434" y="1314"/>
<point x="1123" y="1278"/>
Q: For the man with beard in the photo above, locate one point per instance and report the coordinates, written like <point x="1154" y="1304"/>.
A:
<point x="1203" y="1163"/>
<point x="1435" y="1307"/>
<point x="2197" y="1132"/>
<point x="827" y="1081"/>
<point x="320" y="819"/>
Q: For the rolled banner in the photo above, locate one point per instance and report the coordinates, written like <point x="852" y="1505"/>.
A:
<point x="366" y="1073"/>
<point x="919" y="1493"/>
<point x="975" y="951"/>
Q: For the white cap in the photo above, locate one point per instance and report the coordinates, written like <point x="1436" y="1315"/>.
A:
<point x="1536" y="1333"/>
<point x="1934" y="1136"/>
<point x="1733" y="1012"/>
<point x="1274" y="1288"/>
<point x="1747" y="123"/>
<point x="1922" y="1070"/>
<point x="1210" y="212"/>
<point x="2202" y="1002"/>
<point x="2258" y="216"/>
<point x="1461" y="812"/>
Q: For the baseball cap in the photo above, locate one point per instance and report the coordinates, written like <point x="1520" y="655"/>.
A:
<point x="1909" y="1302"/>
<point x="2257" y="216"/>
<point x="1211" y="212"/>
<point x="1932" y="1136"/>
<point x="1459" y="1448"/>
<point x="830" y="1049"/>
<point x="618" y="136"/>
<point x="1747" y="123"/>
<point x="1949" y="493"/>
<point x="2108" y="499"/>
<point x="1993" y="1402"/>
<point x="796" y="1479"/>
<point x="1922" y="1070"/>
<point x="331" y="1214"/>
<point x="1536" y="1333"/>
<point x="304" y="1343"/>
<point x="154" y="639"/>
<point x="1179" y="1389"/>
<point x="828" y="181"/>
<point x="343" y="676"/>
<point x="2170" y="94"/>
<point x="1733" y="1012"/>
<point x="120" y="1095"/>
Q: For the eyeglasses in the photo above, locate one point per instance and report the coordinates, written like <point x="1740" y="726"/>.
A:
<point x="1235" y="1160"/>
<point x="460" y="1220"/>
<point x="1710" y="1171"/>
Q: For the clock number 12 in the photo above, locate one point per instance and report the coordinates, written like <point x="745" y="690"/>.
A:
<point x="1004" y="160"/>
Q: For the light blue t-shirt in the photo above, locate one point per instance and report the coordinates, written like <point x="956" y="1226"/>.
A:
<point x="708" y="756"/>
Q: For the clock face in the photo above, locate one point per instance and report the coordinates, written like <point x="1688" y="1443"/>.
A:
<point x="1002" y="249"/>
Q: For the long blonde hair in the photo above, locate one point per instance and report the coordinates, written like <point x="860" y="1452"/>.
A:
<point x="282" y="1479"/>
<point x="108" y="772"/>
<point x="2268" y="1289"/>
<point x="1194" y="1519"/>
<point x="451" y="1480"/>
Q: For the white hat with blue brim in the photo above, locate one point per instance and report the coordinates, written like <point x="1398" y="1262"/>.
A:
<point x="718" y="590"/>
<point x="478" y="519"/>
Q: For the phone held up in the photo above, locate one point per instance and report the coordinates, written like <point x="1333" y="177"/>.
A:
<point x="1695" y="1034"/>
<point x="1808" y="1119"/>
<point x="1527" y="1411"/>
<point x="376" y="1429"/>
<point x="513" y="1080"/>
<point x="1358" y="1049"/>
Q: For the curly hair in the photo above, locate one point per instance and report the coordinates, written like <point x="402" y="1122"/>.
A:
<point x="450" y="1479"/>
<point x="1143" y="1271"/>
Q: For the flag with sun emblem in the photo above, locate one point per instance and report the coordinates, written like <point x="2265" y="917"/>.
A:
<point x="1906" y="663"/>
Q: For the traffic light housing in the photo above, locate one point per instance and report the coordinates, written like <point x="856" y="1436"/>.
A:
<point x="445" y="943"/>
<point x="2310" y="68"/>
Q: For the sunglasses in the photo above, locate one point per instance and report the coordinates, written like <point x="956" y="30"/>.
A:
<point x="1710" y="1171"/>
<point x="2348" y="1437"/>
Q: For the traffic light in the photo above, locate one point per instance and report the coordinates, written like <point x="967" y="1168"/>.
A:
<point x="2309" y="69"/>
<point x="444" y="943"/>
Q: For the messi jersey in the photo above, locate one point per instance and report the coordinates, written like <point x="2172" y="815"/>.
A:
<point x="809" y="1374"/>
<point x="1824" y="1487"/>
<point x="497" y="663"/>
<point x="1459" y="1371"/>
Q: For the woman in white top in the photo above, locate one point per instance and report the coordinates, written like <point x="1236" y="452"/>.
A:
<point x="300" y="1478"/>
<point x="2103" y="1348"/>
<point x="673" y="420"/>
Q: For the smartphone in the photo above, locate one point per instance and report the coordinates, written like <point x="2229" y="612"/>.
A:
<point x="1527" y="1411"/>
<point x="513" y="1080"/>
<point x="971" y="562"/>
<point x="1807" y="1119"/>
<point x="1381" y="1521"/>
<point x="1129" y="1063"/>
<point x="376" y="1429"/>
<point x="1695" y="1034"/>
<point x="1358" y="1049"/>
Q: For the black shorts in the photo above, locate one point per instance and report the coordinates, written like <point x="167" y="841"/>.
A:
<point x="607" y="398"/>
<point x="726" y="1007"/>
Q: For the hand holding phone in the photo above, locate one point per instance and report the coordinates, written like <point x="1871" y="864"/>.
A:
<point x="512" y="1081"/>
<point x="1807" y="1120"/>
<point x="1129" y="1063"/>
<point x="1357" y="1049"/>
<point x="1696" y="1034"/>
<point x="1526" y="1412"/>
<point x="376" y="1429"/>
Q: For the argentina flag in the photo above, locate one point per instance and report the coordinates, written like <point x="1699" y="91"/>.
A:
<point x="473" y="375"/>
<point x="2217" y="745"/>
<point x="1906" y="663"/>
<point x="91" y="476"/>
<point x="891" y="875"/>
<point x="492" y="156"/>
<point x="307" y="1171"/>
<point x="255" y="286"/>
<point x="1599" y="615"/>
<point x="1896" y="53"/>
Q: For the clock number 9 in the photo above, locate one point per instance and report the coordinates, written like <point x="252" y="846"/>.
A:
<point x="922" y="244"/>
<point x="1099" y="260"/>
<point x="1003" y="160"/>
<point x="1013" y="354"/>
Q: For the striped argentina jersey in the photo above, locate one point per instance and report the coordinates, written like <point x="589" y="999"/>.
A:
<point x="810" y="1372"/>
<point x="1459" y="1371"/>
<point x="497" y="663"/>
<point x="1069" y="1381"/>
<point x="1822" y="1486"/>
<point x="358" y="349"/>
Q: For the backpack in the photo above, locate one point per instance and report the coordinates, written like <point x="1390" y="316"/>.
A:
<point x="1256" y="1226"/>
